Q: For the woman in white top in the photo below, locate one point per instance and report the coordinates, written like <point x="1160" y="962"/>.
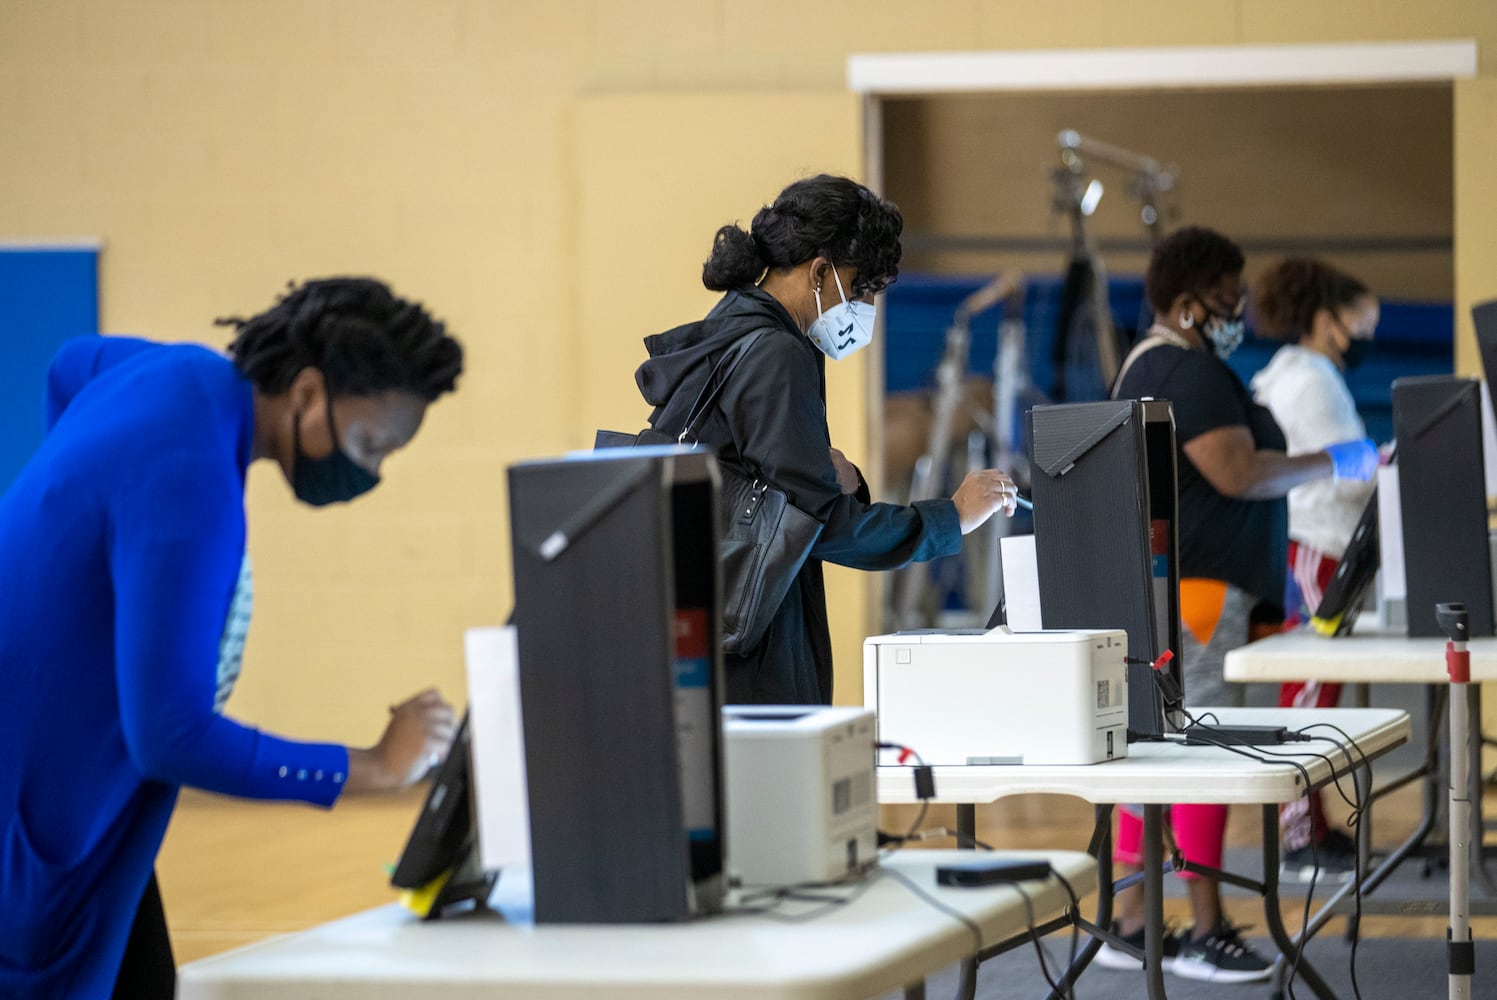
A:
<point x="1328" y="317"/>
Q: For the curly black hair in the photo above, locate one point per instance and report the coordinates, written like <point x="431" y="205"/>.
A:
<point x="362" y="337"/>
<point x="823" y="215"/>
<point x="1189" y="261"/>
<point x="1289" y="294"/>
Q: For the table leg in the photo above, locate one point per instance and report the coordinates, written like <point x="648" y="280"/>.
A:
<point x="1154" y="900"/>
<point x="966" y="829"/>
<point x="1288" y="946"/>
<point x="1100" y="848"/>
<point x="1364" y="844"/>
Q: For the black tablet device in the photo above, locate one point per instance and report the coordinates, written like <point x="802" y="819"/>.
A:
<point x="444" y="831"/>
<point x="1343" y="596"/>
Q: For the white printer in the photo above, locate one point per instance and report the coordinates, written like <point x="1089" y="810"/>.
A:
<point x="799" y="788"/>
<point x="1001" y="697"/>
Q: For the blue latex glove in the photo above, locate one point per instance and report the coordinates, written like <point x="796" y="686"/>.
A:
<point x="1354" y="459"/>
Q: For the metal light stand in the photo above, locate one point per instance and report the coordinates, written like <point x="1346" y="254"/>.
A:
<point x="1077" y="198"/>
<point x="931" y="467"/>
<point x="1460" y="951"/>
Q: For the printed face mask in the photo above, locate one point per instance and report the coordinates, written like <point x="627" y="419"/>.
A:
<point x="845" y="327"/>
<point x="335" y="478"/>
<point x="1223" y="331"/>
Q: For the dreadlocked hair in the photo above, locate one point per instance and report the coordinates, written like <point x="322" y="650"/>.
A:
<point x="1189" y="261"/>
<point x="1289" y="294"/>
<point x="362" y="337"/>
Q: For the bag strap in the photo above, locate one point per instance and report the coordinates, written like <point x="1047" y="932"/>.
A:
<point x="1139" y="350"/>
<point x="713" y="387"/>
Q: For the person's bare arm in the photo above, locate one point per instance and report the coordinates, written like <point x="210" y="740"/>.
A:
<point x="1229" y="461"/>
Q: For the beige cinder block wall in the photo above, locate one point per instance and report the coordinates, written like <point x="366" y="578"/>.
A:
<point x="464" y="150"/>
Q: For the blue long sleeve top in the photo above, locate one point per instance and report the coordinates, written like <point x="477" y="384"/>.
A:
<point x="122" y="579"/>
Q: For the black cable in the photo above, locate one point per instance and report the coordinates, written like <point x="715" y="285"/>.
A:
<point x="1357" y="871"/>
<point x="1314" y="854"/>
<point x="1075" y="928"/>
<point x="1065" y="883"/>
<point x="1335" y="781"/>
<point x="920" y="766"/>
<point x="1354" y="820"/>
<point x="971" y="924"/>
<point x="797" y="893"/>
<point x="919" y="818"/>
<point x="1044" y="965"/>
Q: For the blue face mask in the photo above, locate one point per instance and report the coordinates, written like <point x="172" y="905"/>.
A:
<point x="334" y="478"/>
<point x="845" y="327"/>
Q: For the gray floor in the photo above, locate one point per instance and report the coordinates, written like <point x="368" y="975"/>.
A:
<point x="1387" y="969"/>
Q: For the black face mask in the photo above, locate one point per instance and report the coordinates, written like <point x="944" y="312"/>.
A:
<point x="335" y="478"/>
<point x="1355" y="353"/>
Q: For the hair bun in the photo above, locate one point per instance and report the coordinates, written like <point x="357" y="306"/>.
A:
<point x="736" y="260"/>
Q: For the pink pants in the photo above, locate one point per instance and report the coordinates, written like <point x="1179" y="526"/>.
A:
<point x="1199" y="830"/>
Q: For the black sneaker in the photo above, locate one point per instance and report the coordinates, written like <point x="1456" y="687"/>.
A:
<point x="1220" y="957"/>
<point x="1335" y="856"/>
<point x="1109" y="957"/>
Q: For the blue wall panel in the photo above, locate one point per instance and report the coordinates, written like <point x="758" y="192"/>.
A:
<point x="47" y="294"/>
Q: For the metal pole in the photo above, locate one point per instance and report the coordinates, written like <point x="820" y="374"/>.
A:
<point x="930" y="469"/>
<point x="1460" y="951"/>
<point x="1154" y="900"/>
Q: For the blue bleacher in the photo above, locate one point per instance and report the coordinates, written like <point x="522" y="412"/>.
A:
<point x="1413" y="338"/>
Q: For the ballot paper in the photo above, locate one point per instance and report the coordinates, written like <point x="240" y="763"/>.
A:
<point x="501" y="798"/>
<point x="1021" y="583"/>
<point x="1392" y="587"/>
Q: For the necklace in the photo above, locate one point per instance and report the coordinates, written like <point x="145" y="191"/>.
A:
<point x="1169" y="336"/>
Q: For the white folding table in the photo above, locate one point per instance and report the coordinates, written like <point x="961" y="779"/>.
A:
<point x="883" y="936"/>
<point x="1370" y="657"/>
<point x="1157" y="774"/>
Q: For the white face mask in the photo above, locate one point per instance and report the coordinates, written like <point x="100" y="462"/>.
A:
<point x="845" y="327"/>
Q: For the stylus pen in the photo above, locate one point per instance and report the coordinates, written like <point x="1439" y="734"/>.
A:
<point x="1027" y="505"/>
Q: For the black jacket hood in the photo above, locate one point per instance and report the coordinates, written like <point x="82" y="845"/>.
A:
<point x="677" y="352"/>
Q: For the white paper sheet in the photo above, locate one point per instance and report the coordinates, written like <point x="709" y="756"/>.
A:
<point x="1488" y="442"/>
<point x="500" y="795"/>
<point x="1393" y="587"/>
<point x="1021" y="583"/>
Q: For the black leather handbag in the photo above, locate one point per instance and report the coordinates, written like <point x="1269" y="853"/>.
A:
<point x="765" y="537"/>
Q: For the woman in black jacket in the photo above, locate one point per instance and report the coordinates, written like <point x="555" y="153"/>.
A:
<point x="806" y="274"/>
